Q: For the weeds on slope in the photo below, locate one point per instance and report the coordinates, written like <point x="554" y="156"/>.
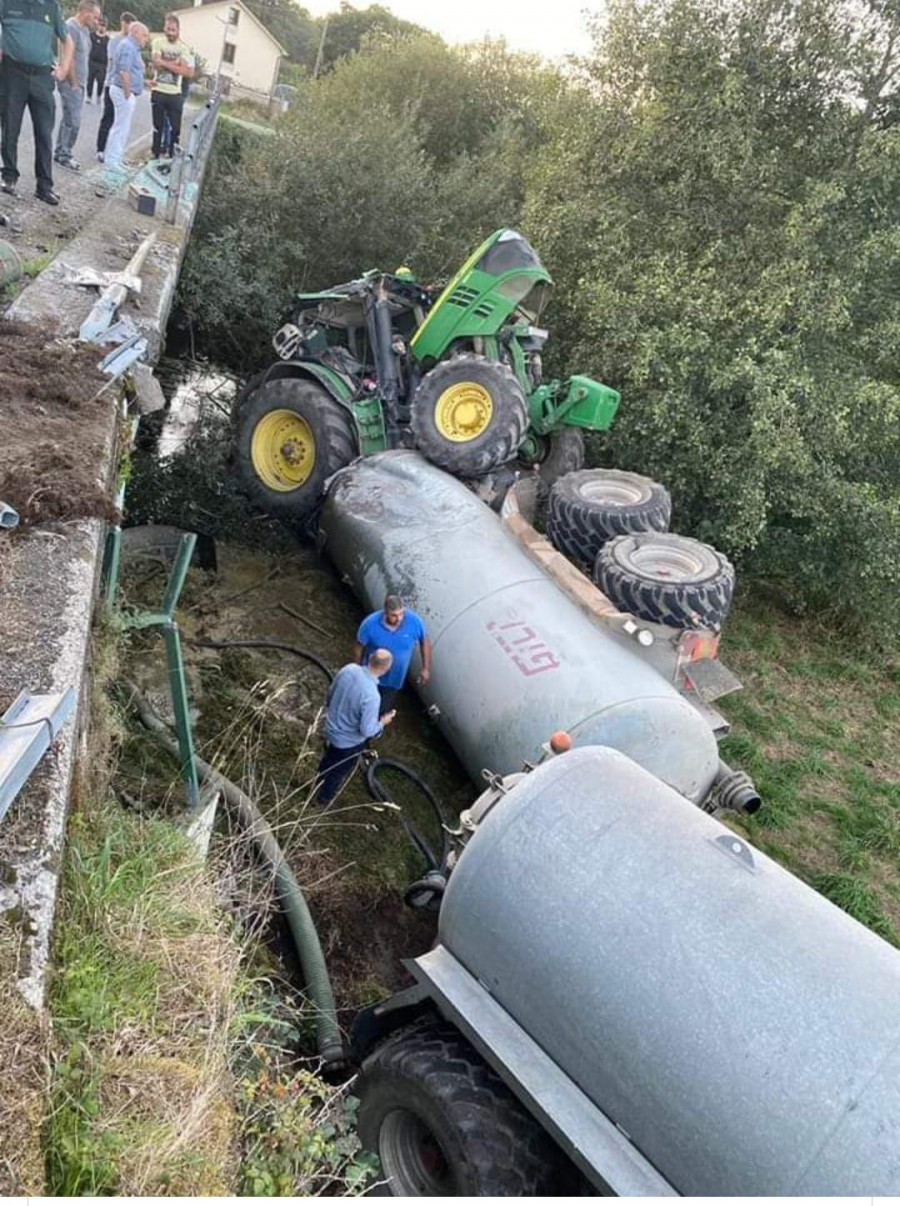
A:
<point x="818" y="727"/>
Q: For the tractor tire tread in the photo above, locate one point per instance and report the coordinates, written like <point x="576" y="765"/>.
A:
<point x="506" y="1153"/>
<point x="506" y="432"/>
<point x="580" y="528"/>
<point x="692" y="605"/>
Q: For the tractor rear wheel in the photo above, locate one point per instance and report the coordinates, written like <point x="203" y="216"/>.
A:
<point x="442" y="1123"/>
<point x="588" y="508"/>
<point x="469" y="415"/>
<point x="667" y="579"/>
<point x="291" y="436"/>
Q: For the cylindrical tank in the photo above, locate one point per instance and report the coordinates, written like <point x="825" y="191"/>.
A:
<point x="513" y="657"/>
<point x="741" y="1030"/>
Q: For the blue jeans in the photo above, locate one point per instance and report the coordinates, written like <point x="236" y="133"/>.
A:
<point x="72" y="101"/>
<point x="334" y="768"/>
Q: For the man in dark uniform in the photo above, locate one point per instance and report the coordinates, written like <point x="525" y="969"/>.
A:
<point x="30" y="32"/>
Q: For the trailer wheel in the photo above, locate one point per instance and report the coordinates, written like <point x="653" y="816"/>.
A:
<point x="667" y="579"/>
<point x="291" y="436"/>
<point x="469" y="415"/>
<point x="588" y="508"/>
<point x="443" y="1123"/>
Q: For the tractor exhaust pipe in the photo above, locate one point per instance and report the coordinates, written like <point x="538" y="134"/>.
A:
<point x="378" y="323"/>
<point x="734" y="790"/>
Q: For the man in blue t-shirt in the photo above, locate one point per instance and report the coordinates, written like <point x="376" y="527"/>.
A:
<point x="398" y="629"/>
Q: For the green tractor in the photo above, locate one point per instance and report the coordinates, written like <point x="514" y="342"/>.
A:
<point x="381" y="363"/>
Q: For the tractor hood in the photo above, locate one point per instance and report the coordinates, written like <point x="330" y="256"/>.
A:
<point x="504" y="274"/>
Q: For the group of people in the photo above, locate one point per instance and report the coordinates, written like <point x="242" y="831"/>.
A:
<point x="359" y="705"/>
<point x="39" y="52"/>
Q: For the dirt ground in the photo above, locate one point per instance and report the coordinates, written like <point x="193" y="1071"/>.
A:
<point x="54" y="427"/>
<point x="256" y="712"/>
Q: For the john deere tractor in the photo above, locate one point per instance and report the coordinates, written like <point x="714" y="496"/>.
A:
<point x="381" y="363"/>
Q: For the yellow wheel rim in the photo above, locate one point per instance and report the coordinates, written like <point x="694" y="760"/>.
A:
<point x="463" y="412"/>
<point x="283" y="450"/>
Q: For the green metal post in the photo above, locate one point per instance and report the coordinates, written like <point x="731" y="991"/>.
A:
<point x="178" y="689"/>
<point x="111" y="556"/>
<point x="179" y="572"/>
<point x="165" y="620"/>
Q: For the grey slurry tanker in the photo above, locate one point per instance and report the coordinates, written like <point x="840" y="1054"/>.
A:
<point x="625" y="997"/>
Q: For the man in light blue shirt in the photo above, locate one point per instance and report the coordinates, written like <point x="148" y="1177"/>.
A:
<point x="398" y="629"/>
<point x="127" y="84"/>
<point x="353" y="718"/>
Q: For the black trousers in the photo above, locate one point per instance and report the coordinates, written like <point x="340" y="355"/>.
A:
<point x="23" y="87"/>
<point x="166" y="106"/>
<point x="334" y="768"/>
<point x="106" y="121"/>
<point x="388" y="695"/>
<point x="96" y="76"/>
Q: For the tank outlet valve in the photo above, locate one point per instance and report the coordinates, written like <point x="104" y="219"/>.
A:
<point x="734" y="790"/>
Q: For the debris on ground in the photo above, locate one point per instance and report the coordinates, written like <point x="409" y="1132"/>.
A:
<point x="55" y="424"/>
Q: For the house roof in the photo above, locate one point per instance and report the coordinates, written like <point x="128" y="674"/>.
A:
<point x="178" y="12"/>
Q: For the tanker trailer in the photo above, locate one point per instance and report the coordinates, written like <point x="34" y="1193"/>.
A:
<point x="513" y="658"/>
<point x="623" y="986"/>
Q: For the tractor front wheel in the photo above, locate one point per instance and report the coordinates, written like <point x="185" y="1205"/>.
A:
<point x="469" y="415"/>
<point x="292" y="436"/>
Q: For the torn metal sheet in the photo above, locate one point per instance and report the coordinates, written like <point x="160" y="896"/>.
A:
<point x="115" y="363"/>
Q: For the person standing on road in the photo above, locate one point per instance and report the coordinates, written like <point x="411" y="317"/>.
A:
<point x="72" y="89"/>
<point x="353" y="717"/>
<point x="29" y="33"/>
<point x="109" y="113"/>
<point x="127" y="85"/>
<point x="98" y="62"/>
<point x="173" y="63"/>
<point x="398" y="629"/>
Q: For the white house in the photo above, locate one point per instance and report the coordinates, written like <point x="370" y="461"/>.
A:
<point x="235" y="44"/>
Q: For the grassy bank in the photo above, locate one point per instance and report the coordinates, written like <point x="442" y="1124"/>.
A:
<point x="173" y="1063"/>
<point x="818" y="727"/>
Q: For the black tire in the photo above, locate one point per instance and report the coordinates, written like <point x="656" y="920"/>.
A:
<point x="443" y="1123"/>
<point x="563" y="453"/>
<point x="494" y="444"/>
<point x="590" y="507"/>
<point x="333" y="444"/>
<point x="667" y="579"/>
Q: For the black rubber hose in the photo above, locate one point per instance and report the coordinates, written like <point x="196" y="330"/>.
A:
<point x="204" y="643"/>
<point x="377" y="792"/>
<point x="290" y="894"/>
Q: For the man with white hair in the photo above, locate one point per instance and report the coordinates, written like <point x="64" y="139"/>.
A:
<point x="353" y="717"/>
<point x="126" y="85"/>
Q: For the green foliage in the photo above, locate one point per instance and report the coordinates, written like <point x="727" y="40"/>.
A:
<point x="407" y="152"/>
<point x="300" y="1137"/>
<point x="720" y="210"/>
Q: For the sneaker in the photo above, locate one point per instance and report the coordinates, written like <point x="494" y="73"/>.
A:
<point x="101" y="158"/>
<point x="9" y="187"/>
<point x="72" y="164"/>
<point x="47" y="195"/>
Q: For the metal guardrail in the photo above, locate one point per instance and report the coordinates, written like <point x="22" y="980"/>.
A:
<point x="188" y="163"/>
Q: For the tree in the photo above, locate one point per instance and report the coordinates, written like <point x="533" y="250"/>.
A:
<point x="722" y="222"/>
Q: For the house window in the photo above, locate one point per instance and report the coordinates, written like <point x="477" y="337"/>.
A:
<point x="228" y="52"/>
<point x="234" y="15"/>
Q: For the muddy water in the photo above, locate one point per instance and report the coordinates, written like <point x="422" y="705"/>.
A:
<point x="257" y="714"/>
